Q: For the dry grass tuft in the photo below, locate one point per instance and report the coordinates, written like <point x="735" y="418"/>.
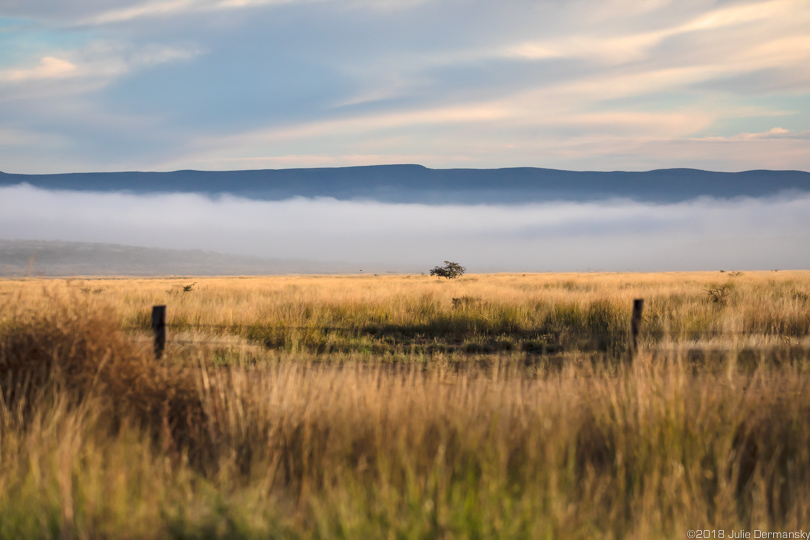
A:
<point x="77" y="351"/>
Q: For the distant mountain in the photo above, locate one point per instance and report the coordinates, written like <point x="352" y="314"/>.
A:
<point x="42" y="258"/>
<point x="417" y="184"/>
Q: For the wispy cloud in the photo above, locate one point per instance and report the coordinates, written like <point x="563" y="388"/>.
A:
<point x="94" y="66"/>
<point x="175" y="8"/>
<point x="619" y="84"/>
<point x="775" y="133"/>
<point x="48" y="67"/>
<point x="146" y="9"/>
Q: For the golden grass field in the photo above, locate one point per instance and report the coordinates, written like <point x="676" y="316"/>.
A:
<point x="380" y="407"/>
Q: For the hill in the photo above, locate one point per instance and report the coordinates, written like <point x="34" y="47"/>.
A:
<point x="54" y="258"/>
<point x="417" y="184"/>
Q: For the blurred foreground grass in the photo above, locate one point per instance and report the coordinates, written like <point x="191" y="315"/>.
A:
<point x="97" y="439"/>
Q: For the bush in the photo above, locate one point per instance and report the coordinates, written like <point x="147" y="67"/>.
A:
<point x="77" y="351"/>
<point x="450" y="270"/>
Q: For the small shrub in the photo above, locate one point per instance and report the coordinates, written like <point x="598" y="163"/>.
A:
<point x="719" y="294"/>
<point x="88" y="290"/>
<point x="450" y="270"/>
<point x="466" y="302"/>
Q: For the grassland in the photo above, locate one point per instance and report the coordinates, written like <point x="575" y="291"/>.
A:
<point x="494" y="406"/>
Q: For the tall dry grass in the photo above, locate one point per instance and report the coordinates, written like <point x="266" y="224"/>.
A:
<point x="104" y="441"/>
<point x="405" y="317"/>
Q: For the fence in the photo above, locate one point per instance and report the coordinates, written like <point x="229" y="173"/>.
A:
<point x="159" y="329"/>
<point x="627" y="349"/>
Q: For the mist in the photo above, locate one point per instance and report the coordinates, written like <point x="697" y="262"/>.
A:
<point x="612" y="235"/>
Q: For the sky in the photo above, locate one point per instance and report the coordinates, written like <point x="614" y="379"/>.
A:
<point x="161" y="85"/>
<point x="109" y="85"/>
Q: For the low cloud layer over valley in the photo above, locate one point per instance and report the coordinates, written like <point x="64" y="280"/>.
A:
<point x="611" y="235"/>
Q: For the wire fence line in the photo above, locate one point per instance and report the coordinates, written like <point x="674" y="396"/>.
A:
<point x="430" y="337"/>
<point x="430" y="334"/>
<point x="393" y="328"/>
<point x="429" y="347"/>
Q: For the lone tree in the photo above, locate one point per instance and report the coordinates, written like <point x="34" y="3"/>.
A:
<point x="450" y="270"/>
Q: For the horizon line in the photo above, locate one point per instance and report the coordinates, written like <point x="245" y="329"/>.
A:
<point x="396" y="165"/>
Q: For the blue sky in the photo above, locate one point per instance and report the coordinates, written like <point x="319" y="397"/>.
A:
<point x="91" y="85"/>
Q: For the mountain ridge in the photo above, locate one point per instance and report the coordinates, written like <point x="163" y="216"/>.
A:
<point x="410" y="183"/>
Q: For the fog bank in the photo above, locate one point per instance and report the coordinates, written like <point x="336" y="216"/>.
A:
<point x="613" y="235"/>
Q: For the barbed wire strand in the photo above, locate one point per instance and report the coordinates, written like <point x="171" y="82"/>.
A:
<point x="392" y="329"/>
<point x="372" y="330"/>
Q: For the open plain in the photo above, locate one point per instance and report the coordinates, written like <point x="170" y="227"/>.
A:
<point x="402" y="406"/>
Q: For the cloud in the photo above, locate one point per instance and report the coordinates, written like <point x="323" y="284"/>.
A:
<point x="48" y="67"/>
<point x="776" y="133"/>
<point x="147" y="9"/>
<point x="9" y="137"/>
<point x="97" y="64"/>
<point x="174" y="8"/>
<point x="611" y="235"/>
<point x="300" y="82"/>
<point x="602" y="43"/>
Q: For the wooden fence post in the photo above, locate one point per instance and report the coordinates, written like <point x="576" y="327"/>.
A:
<point x="159" y="329"/>
<point x="635" y="326"/>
